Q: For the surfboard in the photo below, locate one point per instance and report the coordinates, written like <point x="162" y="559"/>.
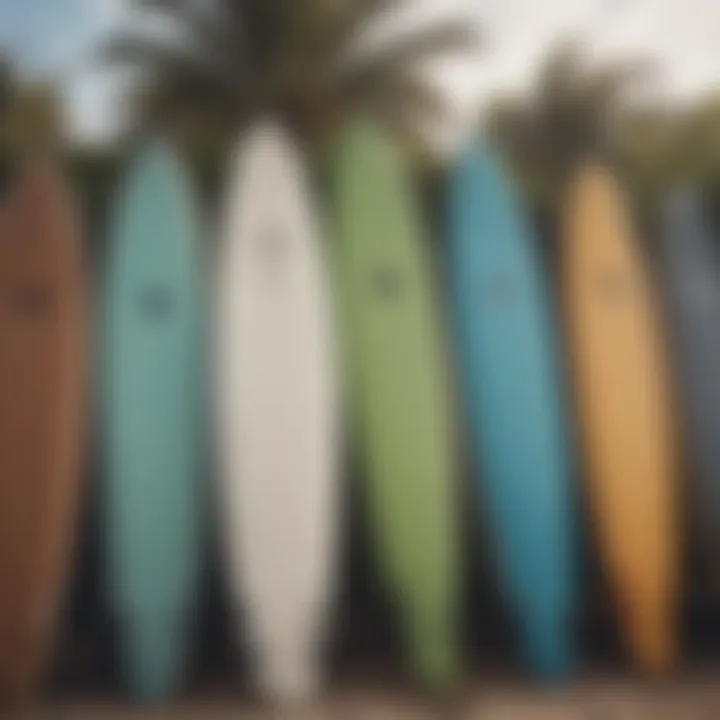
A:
<point x="278" y="416"/>
<point x="153" y="411"/>
<point x="691" y="274"/>
<point x="42" y="333"/>
<point x="400" y="393"/>
<point x="624" y="412"/>
<point x="508" y="361"/>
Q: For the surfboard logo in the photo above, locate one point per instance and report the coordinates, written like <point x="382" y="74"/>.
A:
<point x="501" y="291"/>
<point x="273" y="248"/>
<point x="156" y="302"/>
<point x="31" y="301"/>
<point x="386" y="283"/>
<point x="614" y="286"/>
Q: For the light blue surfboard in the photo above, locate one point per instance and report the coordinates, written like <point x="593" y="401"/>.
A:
<point x="514" y="404"/>
<point x="153" y="408"/>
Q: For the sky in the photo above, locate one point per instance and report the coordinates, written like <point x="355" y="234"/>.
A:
<point x="42" y="33"/>
<point x="680" y="36"/>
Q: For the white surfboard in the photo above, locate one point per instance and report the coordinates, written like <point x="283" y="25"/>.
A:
<point x="278" y="420"/>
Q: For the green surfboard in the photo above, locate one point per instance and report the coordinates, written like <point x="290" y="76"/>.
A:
<point x="153" y="410"/>
<point x="399" y="393"/>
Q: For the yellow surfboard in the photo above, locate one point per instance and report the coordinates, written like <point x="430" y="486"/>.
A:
<point x="624" y="412"/>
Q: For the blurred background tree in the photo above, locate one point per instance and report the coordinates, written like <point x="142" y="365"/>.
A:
<point x="5" y="84"/>
<point x="30" y="112"/>
<point x="229" y="60"/>
<point x="574" y="111"/>
<point x="203" y="68"/>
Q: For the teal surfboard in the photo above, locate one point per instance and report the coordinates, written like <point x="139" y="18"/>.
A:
<point x="511" y="385"/>
<point x="399" y="393"/>
<point x="153" y="407"/>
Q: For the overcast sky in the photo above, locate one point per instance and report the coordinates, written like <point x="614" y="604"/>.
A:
<point x="682" y="36"/>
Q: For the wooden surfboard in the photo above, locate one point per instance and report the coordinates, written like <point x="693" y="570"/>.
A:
<point x="278" y="419"/>
<point x="153" y="408"/>
<point x="42" y="335"/>
<point x="509" y="361"/>
<point x="624" y="411"/>
<point x="691" y="273"/>
<point x="400" y="394"/>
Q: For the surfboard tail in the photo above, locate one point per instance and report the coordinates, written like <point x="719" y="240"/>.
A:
<point x="652" y="638"/>
<point x="549" y="649"/>
<point x="434" y="653"/>
<point x="289" y="676"/>
<point x="20" y="667"/>
<point x="154" y="658"/>
<point x="287" y="659"/>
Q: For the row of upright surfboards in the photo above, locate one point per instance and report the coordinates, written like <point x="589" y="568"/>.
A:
<point x="329" y="325"/>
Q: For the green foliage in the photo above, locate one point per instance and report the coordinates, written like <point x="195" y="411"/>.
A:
<point x="6" y="85"/>
<point x="234" y="59"/>
<point x="29" y="113"/>
<point x="575" y="112"/>
<point x="32" y="121"/>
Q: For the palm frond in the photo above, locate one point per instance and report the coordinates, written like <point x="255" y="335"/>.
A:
<point x="411" y="131"/>
<point x="196" y="18"/>
<point x="453" y="37"/>
<point x="289" y="55"/>
<point x="609" y="85"/>
<point x="343" y="22"/>
<point x="578" y="108"/>
<point x="141" y="51"/>
<point x="265" y="25"/>
<point x="7" y="84"/>
<point x="411" y="95"/>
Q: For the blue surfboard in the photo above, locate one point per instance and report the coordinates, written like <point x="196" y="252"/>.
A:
<point x="514" y="406"/>
<point x="691" y="273"/>
<point x="153" y="410"/>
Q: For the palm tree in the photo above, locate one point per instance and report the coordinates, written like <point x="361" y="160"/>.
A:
<point x="29" y="113"/>
<point x="5" y="94"/>
<point x="697" y="141"/>
<point x="231" y="59"/>
<point x="575" y="111"/>
<point x="5" y="85"/>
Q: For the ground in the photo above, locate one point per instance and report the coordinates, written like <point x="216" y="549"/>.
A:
<point x="691" y="698"/>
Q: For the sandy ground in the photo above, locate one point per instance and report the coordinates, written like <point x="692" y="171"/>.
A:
<point x="697" y="698"/>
